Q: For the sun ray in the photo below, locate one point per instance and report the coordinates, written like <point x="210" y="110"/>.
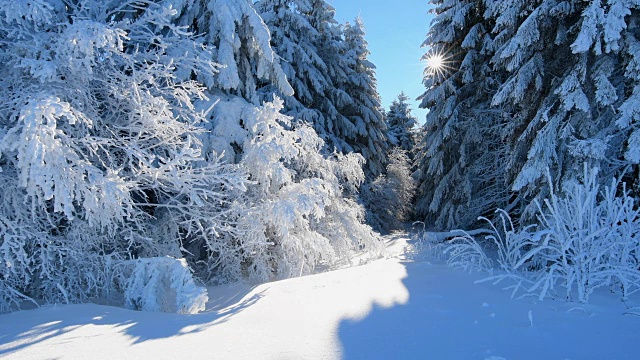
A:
<point x="438" y="64"/>
<point x="435" y="62"/>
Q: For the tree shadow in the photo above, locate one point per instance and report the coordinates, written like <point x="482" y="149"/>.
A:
<point x="22" y="329"/>
<point x="449" y="316"/>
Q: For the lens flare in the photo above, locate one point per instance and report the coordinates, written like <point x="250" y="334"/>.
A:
<point x="435" y="62"/>
<point x="438" y="64"/>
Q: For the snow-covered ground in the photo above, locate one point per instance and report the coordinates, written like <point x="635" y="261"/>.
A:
<point x="388" y="309"/>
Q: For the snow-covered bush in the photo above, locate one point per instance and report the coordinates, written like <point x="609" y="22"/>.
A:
<point x="591" y="239"/>
<point x="161" y="284"/>
<point x="99" y="145"/>
<point x="389" y="197"/>
<point x="466" y="253"/>
<point x="586" y="238"/>
<point x="298" y="211"/>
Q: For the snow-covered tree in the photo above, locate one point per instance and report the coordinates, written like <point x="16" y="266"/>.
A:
<point x="400" y="124"/>
<point x="544" y="85"/>
<point x="99" y="146"/>
<point x="307" y="200"/>
<point x="389" y="198"/>
<point x="367" y="135"/>
<point x="134" y="151"/>
<point x="334" y="84"/>
<point x="460" y="160"/>
<point x="295" y="40"/>
<point x="572" y="82"/>
<point x="239" y="40"/>
<point x="291" y="218"/>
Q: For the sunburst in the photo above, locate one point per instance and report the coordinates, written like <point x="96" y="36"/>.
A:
<point x="435" y="62"/>
<point x="438" y="63"/>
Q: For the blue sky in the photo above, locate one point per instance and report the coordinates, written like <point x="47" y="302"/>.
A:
<point x="395" y="31"/>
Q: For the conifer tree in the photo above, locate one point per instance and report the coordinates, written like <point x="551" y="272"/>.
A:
<point x="366" y="122"/>
<point x="295" y="40"/>
<point x="334" y="84"/>
<point x="557" y="88"/>
<point x="282" y="237"/>
<point x="130" y="131"/>
<point x="460" y="160"/>
<point x="239" y="40"/>
<point x="572" y="83"/>
<point x="400" y="124"/>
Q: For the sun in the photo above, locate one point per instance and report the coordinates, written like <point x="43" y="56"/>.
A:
<point x="435" y="63"/>
<point x="438" y="64"/>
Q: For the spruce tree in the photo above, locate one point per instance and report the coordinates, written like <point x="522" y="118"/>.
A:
<point x="460" y="159"/>
<point x="295" y="40"/>
<point x="334" y="84"/>
<point x="293" y="215"/>
<point x="366" y="122"/>
<point x="544" y="87"/>
<point x="239" y="40"/>
<point x="401" y="124"/>
<point x="571" y="89"/>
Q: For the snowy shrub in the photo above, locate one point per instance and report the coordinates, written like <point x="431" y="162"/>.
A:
<point x="388" y="198"/>
<point x="162" y="284"/>
<point x="509" y="243"/>
<point x="99" y="145"/>
<point x="298" y="211"/>
<point x="591" y="239"/>
<point x="586" y="238"/>
<point x="466" y="253"/>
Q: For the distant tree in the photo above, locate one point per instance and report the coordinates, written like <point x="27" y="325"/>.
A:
<point x="389" y="198"/>
<point x="401" y="124"/>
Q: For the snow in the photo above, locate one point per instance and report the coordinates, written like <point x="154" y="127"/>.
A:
<point x="393" y="308"/>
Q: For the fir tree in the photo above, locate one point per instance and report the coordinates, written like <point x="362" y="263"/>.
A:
<point x="295" y="40"/>
<point x="366" y="122"/>
<point x="573" y="63"/>
<point x="460" y="158"/>
<point x="401" y="124"/>
<point x="276" y="231"/>
<point x="334" y="84"/>
<point x="239" y="40"/>
<point x="543" y="86"/>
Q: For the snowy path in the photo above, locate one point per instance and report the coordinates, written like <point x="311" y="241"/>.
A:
<point x="388" y="309"/>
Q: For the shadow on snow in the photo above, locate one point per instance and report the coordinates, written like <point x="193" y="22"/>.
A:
<point x="55" y="320"/>
<point x="448" y="316"/>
